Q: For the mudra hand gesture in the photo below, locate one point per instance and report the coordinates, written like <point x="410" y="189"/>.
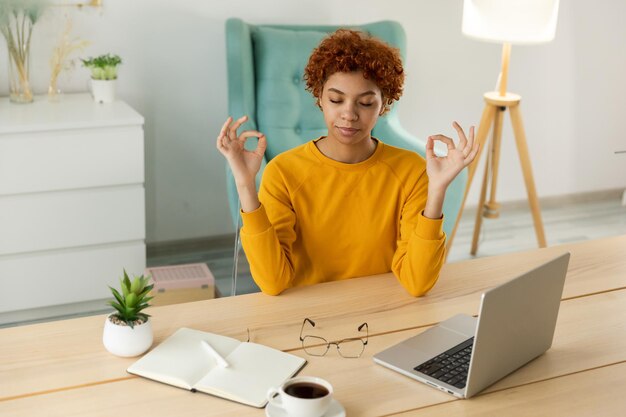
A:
<point x="442" y="170"/>
<point x="244" y="164"/>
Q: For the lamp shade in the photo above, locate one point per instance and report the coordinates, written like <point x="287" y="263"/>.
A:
<point x="512" y="21"/>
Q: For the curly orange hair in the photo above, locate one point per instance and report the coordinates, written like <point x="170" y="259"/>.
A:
<point x="348" y="50"/>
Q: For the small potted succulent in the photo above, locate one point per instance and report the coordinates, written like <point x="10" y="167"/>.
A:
<point x="128" y="331"/>
<point x="103" y="75"/>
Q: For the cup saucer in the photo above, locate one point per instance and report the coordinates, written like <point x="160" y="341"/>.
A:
<point x="335" y="410"/>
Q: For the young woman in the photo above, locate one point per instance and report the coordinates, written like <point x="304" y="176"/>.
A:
<point x="346" y="204"/>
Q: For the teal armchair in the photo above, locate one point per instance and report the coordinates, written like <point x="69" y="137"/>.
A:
<point x="265" y="81"/>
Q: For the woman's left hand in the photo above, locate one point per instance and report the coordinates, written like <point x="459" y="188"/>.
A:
<point x="442" y="170"/>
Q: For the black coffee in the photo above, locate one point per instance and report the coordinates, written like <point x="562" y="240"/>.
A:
<point x="306" y="390"/>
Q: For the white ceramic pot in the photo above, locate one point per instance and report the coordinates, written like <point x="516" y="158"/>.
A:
<point x="103" y="91"/>
<point x="127" y="342"/>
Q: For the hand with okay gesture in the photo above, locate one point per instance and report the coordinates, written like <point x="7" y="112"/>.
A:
<point x="442" y="170"/>
<point x="244" y="164"/>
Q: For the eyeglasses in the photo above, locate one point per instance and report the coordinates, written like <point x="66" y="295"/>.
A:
<point x="347" y="348"/>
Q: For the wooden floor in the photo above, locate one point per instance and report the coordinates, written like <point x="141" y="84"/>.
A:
<point x="564" y="222"/>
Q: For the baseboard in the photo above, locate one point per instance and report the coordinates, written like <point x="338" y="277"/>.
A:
<point x="52" y="313"/>
<point x="173" y="247"/>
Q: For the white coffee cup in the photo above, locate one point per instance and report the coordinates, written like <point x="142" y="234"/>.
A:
<point x="304" y="396"/>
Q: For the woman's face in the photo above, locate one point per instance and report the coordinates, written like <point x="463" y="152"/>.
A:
<point x="351" y="105"/>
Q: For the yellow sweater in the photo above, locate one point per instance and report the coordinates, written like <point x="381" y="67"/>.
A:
<point x="321" y="220"/>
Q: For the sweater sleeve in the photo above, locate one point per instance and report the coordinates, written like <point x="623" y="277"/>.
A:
<point x="268" y="234"/>
<point x="421" y="250"/>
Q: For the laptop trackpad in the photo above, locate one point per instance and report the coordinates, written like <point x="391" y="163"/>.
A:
<point x="446" y="335"/>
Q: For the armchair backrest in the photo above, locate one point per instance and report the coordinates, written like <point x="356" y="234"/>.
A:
<point x="265" y="81"/>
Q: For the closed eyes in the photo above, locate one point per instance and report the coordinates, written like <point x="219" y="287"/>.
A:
<point x="362" y="104"/>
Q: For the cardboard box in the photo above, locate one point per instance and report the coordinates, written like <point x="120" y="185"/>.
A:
<point x="181" y="284"/>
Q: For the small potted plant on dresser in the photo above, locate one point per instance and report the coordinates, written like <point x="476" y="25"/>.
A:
<point x="103" y="76"/>
<point x="128" y="331"/>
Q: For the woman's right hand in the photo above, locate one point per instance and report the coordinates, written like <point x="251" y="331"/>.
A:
<point x="243" y="163"/>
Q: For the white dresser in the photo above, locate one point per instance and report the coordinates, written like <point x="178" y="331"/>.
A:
<point x="72" y="206"/>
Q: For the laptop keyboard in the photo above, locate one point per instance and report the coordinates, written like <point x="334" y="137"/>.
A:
<point x="451" y="366"/>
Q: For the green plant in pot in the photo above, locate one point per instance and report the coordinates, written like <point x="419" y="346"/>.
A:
<point x="103" y="76"/>
<point x="128" y="331"/>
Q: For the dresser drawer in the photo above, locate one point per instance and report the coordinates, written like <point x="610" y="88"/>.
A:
<point x="66" y="219"/>
<point x="70" y="159"/>
<point x="53" y="278"/>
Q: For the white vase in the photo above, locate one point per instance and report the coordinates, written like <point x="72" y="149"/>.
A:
<point x="103" y="91"/>
<point x="126" y="341"/>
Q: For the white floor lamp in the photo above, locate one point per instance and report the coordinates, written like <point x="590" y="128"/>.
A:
<point x="507" y="22"/>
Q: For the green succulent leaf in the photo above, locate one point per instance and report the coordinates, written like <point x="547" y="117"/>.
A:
<point x="135" y="286"/>
<point x="141" y="307"/>
<point x="146" y="291"/>
<point x="117" y="306"/>
<point x="145" y="283"/>
<point x="126" y="281"/>
<point x="131" y="300"/>
<point x="117" y="295"/>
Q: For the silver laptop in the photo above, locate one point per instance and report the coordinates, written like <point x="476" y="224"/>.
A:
<point x="463" y="355"/>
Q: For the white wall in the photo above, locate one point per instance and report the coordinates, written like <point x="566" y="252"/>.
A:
<point x="174" y="73"/>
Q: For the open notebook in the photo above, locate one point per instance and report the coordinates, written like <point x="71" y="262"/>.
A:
<point x="182" y="361"/>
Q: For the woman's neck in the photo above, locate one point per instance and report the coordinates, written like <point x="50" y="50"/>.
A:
<point x="348" y="154"/>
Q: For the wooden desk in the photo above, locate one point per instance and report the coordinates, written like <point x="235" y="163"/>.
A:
<point x="62" y="368"/>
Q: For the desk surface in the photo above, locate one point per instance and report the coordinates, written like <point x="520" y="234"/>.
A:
<point x="63" y="368"/>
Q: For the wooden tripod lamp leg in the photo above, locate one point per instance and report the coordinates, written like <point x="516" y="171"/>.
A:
<point x="486" y="121"/>
<point x="481" y="204"/>
<point x="522" y="149"/>
<point x="492" y="208"/>
<point x="484" y="127"/>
